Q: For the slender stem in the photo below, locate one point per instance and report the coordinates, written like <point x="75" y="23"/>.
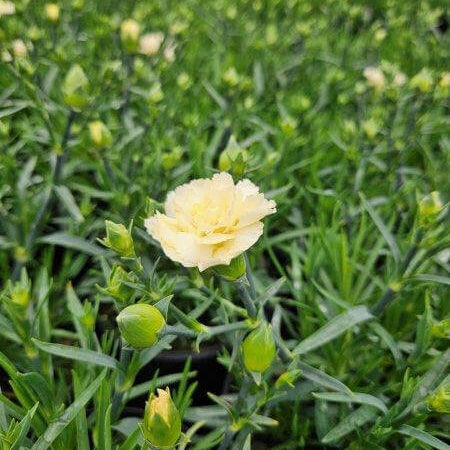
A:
<point x="48" y="199"/>
<point x="126" y="355"/>
<point x="245" y="294"/>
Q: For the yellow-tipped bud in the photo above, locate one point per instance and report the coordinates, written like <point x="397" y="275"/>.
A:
<point x="162" y="421"/>
<point x="140" y="324"/>
<point x="100" y="134"/>
<point x="258" y="349"/>
<point x="52" y="11"/>
<point x="129" y="34"/>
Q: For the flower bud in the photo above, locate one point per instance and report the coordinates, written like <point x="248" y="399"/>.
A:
<point x="129" y="34"/>
<point x="429" y="207"/>
<point x="288" y="125"/>
<point x="19" y="292"/>
<point x="441" y="329"/>
<point x="287" y="378"/>
<point x="258" y="349"/>
<point x="100" y="134"/>
<point x="162" y="421"/>
<point x="231" y="77"/>
<point x="75" y="87"/>
<point x="119" y="239"/>
<point x="20" y="295"/>
<point x="233" y="157"/>
<point x="170" y="159"/>
<point x="235" y="270"/>
<point x="439" y="400"/>
<point x="19" y="48"/>
<point x="184" y="81"/>
<point x="140" y="324"/>
<point x="117" y="286"/>
<point x="52" y="11"/>
<point x="423" y="81"/>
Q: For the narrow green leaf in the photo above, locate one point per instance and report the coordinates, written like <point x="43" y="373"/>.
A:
<point x="74" y="242"/>
<point x="56" y="427"/>
<point x="132" y="440"/>
<point x="23" y="428"/>
<point x="79" y="354"/>
<point x="334" y="328"/>
<point x="388" y="237"/>
<point x="356" y="397"/>
<point x="423" y="436"/>
<point x="433" y="278"/>
<point x="67" y="199"/>
<point x="321" y="378"/>
<point x="354" y="420"/>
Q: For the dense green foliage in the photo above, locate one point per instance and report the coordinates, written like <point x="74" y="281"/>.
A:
<point x="337" y="110"/>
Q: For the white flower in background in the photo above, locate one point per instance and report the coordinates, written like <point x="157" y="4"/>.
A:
<point x="399" y="79"/>
<point x="208" y="222"/>
<point x="169" y="52"/>
<point x="19" y="48"/>
<point x="150" y="43"/>
<point x="6" y="56"/>
<point x="7" y="8"/>
<point x="375" y="77"/>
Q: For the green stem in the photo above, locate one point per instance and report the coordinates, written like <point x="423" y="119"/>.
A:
<point x="48" y="199"/>
<point x="243" y="288"/>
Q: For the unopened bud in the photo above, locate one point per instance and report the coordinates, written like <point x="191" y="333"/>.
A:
<point x="75" y="87"/>
<point x="288" y="378"/>
<point x="117" y="286"/>
<point x="258" y="349"/>
<point x="100" y="134"/>
<point x="129" y="34"/>
<point x="439" y="400"/>
<point x="162" y="421"/>
<point x="429" y="207"/>
<point x="52" y="11"/>
<point x="233" y="158"/>
<point x="140" y="324"/>
<point x="119" y="239"/>
<point x="441" y="329"/>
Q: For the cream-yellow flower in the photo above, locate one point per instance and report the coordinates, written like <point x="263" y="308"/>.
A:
<point x="208" y="222"/>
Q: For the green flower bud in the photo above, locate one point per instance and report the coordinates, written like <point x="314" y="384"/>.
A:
<point x="441" y="329"/>
<point x="117" y="287"/>
<point x="235" y="270"/>
<point x="288" y="378"/>
<point x="129" y="34"/>
<point x="423" y="81"/>
<point x="170" y="159"/>
<point x="429" y="207"/>
<point x="20" y="295"/>
<point x="75" y="87"/>
<point x="140" y="324"/>
<point x="233" y="158"/>
<point x="288" y="125"/>
<point x="439" y="400"/>
<point x="162" y="421"/>
<point x="100" y="134"/>
<point x="119" y="239"/>
<point x="19" y="292"/>
<point x="258" y="349"/>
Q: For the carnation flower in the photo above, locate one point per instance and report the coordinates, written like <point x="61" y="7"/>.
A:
<point x="7" y="8"/>
<point x="375" y="77"/>
<point x="150" y="43"/>
<point x="208" y="222"/>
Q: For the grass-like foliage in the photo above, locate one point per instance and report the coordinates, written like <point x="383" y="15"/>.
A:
<point x="123" y="328"/>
